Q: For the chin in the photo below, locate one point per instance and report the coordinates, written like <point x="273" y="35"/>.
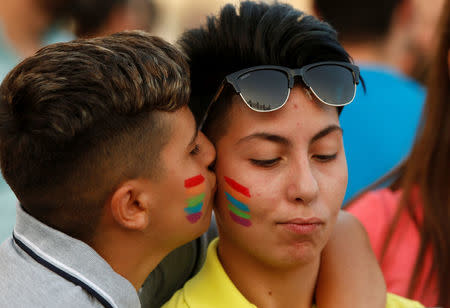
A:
<point x="298" y="256"/>
<point x="203" y="223"/>
<point x="287" y="258"/>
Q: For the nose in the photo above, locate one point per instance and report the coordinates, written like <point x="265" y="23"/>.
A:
<point x="303" y="187"/>
<point x="207" y="150"/>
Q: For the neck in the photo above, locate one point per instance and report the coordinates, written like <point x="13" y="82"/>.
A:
<point x="276" y="287"/>
<point x="23" y="23"/>
<point x="130" y="254"/>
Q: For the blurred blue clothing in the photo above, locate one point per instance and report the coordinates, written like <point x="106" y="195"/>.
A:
<point x="379" y="125"/>
<point x="8" y="59"/>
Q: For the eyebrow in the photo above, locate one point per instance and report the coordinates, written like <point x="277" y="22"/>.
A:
<point x="266" y="136"/>
<point x="325" y="132"/>
<point x="286" y="142"/>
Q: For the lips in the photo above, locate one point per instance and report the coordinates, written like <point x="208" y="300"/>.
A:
<point x="302" y="225"/>
<point x="302" y="221"/>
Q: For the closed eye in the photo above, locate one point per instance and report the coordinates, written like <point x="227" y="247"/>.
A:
<point x="265" y="162"/>
<point x="325" y="158"/>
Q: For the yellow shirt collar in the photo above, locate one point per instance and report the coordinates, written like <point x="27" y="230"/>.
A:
<point x="212" y="287"/>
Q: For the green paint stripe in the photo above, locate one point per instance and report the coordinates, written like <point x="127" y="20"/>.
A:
<point x="238" y="212"/>
<point x="195" y="200"/>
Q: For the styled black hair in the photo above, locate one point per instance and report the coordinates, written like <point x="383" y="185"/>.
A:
<point x="255" y="34"/>
<point x="357" y="20"/>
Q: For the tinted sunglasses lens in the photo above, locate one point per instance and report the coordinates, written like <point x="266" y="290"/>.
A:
<point x="264" y="90"/>
<point x="333" y="84"/>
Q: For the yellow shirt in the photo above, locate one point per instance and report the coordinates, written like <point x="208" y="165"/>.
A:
<point x="212" y="288"/>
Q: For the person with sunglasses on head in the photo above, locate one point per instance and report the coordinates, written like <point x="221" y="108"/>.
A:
<point x="112" y="174"/>
<point x="411" y="217"/>
<point x="268" y="84"/>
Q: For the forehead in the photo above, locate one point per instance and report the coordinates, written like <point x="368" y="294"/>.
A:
<point x="300" y="116"/>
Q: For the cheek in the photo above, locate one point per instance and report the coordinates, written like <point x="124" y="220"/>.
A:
<point x="236" y="201"/>
<point x="341" y="179"/>
<point x="333" y="176"/>
<point x="333" y="188"/>
<point x="195" y="197"/>
<point x="243" y="202"/>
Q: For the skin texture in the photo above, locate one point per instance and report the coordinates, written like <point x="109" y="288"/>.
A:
<point x="145" y="218"/>
<point x="293" y="162"/>
<point x="349" y="273"/>
<point x="181" y="161"/>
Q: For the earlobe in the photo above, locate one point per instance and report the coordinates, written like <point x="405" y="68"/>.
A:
<point x="130" y="206"/>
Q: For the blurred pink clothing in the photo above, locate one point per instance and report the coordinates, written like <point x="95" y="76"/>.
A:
<point x="375" y="210"/>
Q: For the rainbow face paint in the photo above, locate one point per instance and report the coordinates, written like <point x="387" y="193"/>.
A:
<point x="195" y="190"/>
<point x="238" y="197"/>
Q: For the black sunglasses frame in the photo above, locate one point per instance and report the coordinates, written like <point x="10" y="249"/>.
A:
<point x="233" y="79"/>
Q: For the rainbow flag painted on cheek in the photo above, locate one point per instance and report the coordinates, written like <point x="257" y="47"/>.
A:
<point x="195" y="189"/>
<point x="238" y="197"/>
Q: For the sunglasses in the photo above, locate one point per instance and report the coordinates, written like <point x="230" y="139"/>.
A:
<point x="266" y="88"/>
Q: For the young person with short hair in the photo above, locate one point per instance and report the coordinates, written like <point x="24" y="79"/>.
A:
<point x="268" y="83"/>
<point x="111" y="173"/>
<point x="104" y="155"/>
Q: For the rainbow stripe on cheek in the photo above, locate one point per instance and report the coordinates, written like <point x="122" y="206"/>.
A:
<point x="238" y="197"/>
<point x="195" y="190"/>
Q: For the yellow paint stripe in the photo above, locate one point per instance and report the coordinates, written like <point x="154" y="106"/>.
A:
<point x="196" y="190"/>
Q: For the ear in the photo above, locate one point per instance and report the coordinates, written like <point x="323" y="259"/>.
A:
<point x="130" y="205"/>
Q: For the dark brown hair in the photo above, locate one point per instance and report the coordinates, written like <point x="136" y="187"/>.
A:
<point x="79" y="118"/>
<point x="427" y="168"/>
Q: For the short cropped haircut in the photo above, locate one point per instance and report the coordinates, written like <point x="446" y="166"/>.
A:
<point x="358" y="21"/>
<point x="79" y="118"/>
<point x="256" y="34"/>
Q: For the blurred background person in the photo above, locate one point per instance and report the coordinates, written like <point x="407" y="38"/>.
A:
<point x="25" y="26"/>
<point x="381" y="124"/>
<point x="408" y="223"/>
<point x="177" y="16"/>
<point x="93" y="18"/>
<point x="423" y="38"/>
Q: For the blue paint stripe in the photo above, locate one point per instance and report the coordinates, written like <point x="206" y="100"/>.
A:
<point x="194" y="209"/>
<point x="237" y="203"/>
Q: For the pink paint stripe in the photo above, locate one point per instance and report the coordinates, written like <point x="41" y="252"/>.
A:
<point x="194" y="181"/>
<point x="238" y="187"/>
<point x="193" y="218"/>
<point x="240" y="220"/>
